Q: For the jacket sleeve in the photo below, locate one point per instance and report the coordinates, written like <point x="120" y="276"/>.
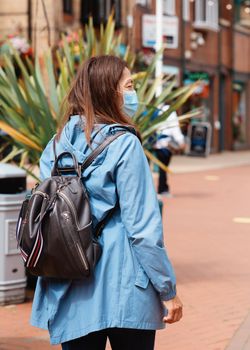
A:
<point x="141" y="216"/>
<point x="45" y="163"/>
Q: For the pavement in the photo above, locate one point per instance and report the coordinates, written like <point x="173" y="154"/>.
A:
<point x="207" y="234"/>
<point x="187" y="164"/>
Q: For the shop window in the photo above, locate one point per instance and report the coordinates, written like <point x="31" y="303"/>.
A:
<point x="67" y="7"/>
<point x="100" y="11"/>
<point x="201" y="97"/>
<point x="169" y="7"/>
<point x="206" y="14"/>
<point x="239" y="114"/>
<point x="242" y="12"/>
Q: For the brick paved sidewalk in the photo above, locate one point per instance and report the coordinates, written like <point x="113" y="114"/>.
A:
<point x="17" y="334"/>
<point x="187" y="164"/>
<point x="210" y="252"/>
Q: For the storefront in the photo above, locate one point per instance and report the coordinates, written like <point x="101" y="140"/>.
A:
<point x="202" y="97"/>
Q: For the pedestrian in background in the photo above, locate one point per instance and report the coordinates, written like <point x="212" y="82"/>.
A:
<point x="132" y="292"/>
<point x="170" y="141"/>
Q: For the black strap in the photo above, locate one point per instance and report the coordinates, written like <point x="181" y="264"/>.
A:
<point x="95" y="133"/>
<point x="92" y="155"/>
<point x="99" y="227"/>
<point x="76" y="168"/>
<point x="100" y="148"/>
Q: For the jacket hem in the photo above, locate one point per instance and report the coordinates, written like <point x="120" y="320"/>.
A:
<point x="62" y="338"/>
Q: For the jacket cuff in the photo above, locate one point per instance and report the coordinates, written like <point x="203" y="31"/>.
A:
<point x="167" y="296"/>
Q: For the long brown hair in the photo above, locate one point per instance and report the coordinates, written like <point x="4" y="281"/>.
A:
<point x="93" y="94"/>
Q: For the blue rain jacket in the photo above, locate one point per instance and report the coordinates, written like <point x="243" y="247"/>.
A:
<point x="134" y="273"/>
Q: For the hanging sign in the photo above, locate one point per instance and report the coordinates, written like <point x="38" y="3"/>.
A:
<point x="169" y="30"/>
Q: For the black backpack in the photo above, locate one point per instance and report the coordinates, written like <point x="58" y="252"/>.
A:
<point x="54" y="232"/>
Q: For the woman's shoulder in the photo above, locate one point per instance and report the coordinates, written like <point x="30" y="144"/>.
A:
<point x="126" y="148"/>
<point x="127" y="140"/>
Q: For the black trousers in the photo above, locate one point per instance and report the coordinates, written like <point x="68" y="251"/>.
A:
<point x="119" y="338"/>
<point x="164" y="155"/>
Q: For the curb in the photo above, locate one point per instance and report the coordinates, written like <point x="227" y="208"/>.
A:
<point x="241" y="338"/>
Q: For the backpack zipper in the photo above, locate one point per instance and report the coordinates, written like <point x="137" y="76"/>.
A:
<point x="71" y="207"/>
<point x="73" y="210"/>
<point x="45" y="196"/>
<point x="41" y="193"/>
<point x="82" y="256"/>
<point x="80" y="251"/>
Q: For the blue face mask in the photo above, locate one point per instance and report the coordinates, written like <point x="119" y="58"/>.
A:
<point x="130" y="102"/>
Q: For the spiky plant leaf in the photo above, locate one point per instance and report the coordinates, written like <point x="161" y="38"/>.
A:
<point x="30" y="109"/>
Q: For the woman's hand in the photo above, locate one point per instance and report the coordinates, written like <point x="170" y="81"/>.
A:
<point x="174" y="307"/>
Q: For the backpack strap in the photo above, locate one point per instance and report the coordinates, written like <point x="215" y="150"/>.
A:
<point x="107" y="141"/>
<point x="99" y="227"/>
<point x="92" y="155"/>
<point x="100" y="148"/>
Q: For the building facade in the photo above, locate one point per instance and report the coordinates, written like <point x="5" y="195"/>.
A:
<point x="206" y="40"/>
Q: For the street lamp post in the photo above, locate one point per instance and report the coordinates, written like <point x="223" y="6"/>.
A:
<point x="158" y="43"/>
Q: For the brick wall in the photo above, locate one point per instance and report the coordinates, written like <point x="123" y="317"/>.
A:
<point x="13" y="17"/>
<point x="241" y="52"/>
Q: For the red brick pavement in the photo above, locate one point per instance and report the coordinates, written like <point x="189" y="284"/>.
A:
<point x="211" y="257"/>
<point x="210" y="253"/>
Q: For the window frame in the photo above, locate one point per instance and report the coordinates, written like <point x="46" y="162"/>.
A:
<point x="169" y="7"/>
<point x="101" y="10"/>
<point x="68" y="7"/>
<point x="206" y="15"/>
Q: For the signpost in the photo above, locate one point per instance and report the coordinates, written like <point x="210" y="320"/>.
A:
<point x="158" y="44"/>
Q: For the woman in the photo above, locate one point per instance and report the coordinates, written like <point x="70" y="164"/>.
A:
<point x="125" y="298"/>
